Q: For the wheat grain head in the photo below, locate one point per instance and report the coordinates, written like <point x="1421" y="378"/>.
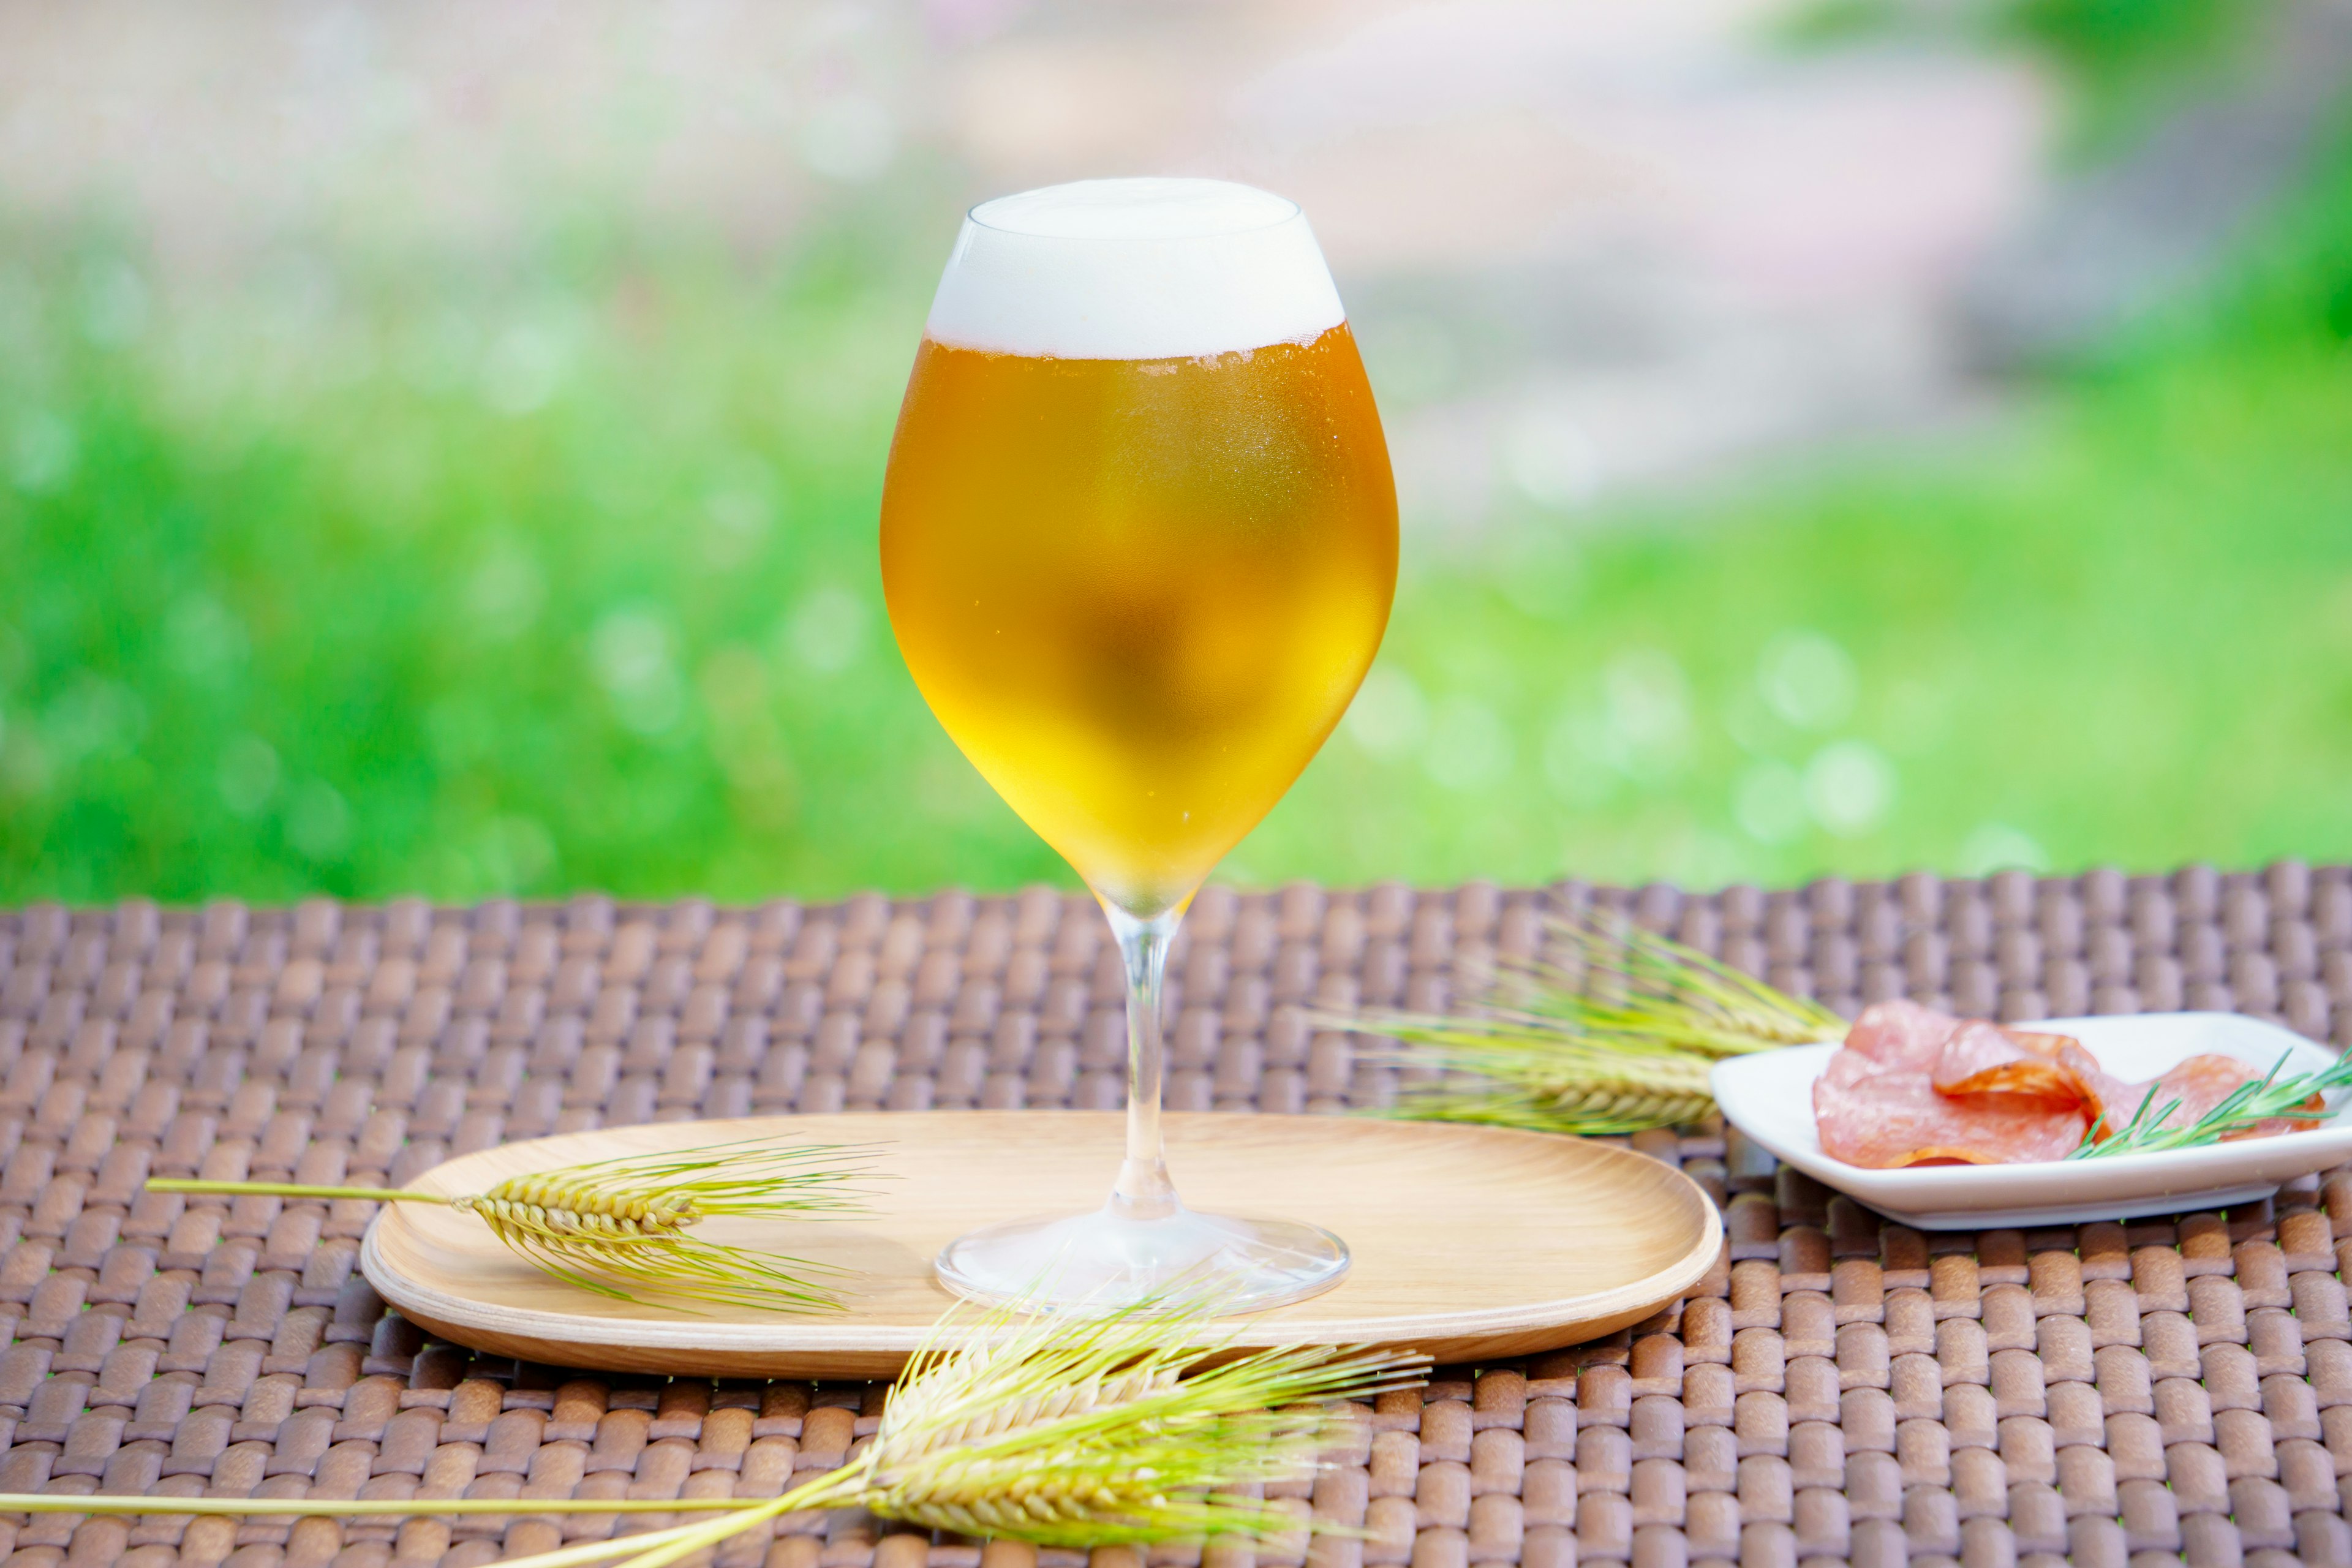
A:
<point x="1616" y="1032"/>
<point x="1090" y="1433"/>
<point x="619" y="1228"/>
<point x="1066" y="1431"/>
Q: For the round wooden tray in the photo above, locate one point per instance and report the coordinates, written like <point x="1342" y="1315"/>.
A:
<point x="1469" y="1242"/>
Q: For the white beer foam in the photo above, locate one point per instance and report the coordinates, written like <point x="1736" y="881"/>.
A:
<point x="1134" y="270"/>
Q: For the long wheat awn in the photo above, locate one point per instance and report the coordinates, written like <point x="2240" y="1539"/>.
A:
<point x="621" y="1227"/>
<point x="1082" y="1433"/>
<point x="1615" y="1034"/>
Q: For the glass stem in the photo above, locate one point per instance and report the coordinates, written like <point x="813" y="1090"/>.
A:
<point x="1144" y="1190"/>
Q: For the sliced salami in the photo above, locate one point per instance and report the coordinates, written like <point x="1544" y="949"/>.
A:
<point x="1900" y="1036"/>
<point x="1913" y="1086"/>
<point x="2193" y="1087"/>
<point x="1984" y="1058"/>
<point x="1894" y="1119"/>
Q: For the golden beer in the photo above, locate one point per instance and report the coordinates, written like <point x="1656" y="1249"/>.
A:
<point x="1139" y="594"/>
<point x="1138" y="542"/>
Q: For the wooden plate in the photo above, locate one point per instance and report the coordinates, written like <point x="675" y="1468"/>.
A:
<point x="1468" y="1242"/>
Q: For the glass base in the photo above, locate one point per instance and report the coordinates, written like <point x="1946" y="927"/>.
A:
<point x="1102" y="1260"/>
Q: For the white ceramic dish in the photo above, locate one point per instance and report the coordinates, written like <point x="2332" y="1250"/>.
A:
<point x="1770" y="1097"/>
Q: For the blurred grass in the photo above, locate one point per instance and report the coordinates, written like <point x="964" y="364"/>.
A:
<point x="375" y="581"/>
<point x="2121" y="63"/>
<point x="2123" y="58"/>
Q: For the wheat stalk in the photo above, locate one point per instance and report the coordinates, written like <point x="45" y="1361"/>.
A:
<point x="1125" y="1428"/>
<point x="620" y="1228"/>
<point x="1618" y="1035"/>
<point x="1090" y="1432"/>
<point x="352" y="1508"/>
<point x="1619" y="983"/>
<point x="1093" y="1434"/>
<point x="1590" y="1108"/>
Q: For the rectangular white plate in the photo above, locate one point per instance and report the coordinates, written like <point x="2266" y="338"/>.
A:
<point x="1770" y="1097"/>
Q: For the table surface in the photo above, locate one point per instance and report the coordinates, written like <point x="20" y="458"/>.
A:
<point x="1838" y="1388"/>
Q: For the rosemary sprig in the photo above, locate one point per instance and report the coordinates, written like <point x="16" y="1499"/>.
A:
<point x="1618" y="1037"/>
<point x="620" y="1228"/>
<point x="2268" y="1097"/>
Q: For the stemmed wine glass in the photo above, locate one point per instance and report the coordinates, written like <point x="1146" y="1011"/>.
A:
<point x="1138" y="542"/>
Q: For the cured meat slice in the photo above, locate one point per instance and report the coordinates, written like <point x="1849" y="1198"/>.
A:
<point x="1878" y="1102"/>
<point x="2191" y="1088"/>
<point x="1850" y="1068"/>
<point x="2200" y="1084"/>
<point x="1915" y="1085"/>
<point x="1900" y="1036"/>
<point x="2044" y="1045"/>
<point x="1895" y="1119"/>
<point x="1984" y="1058"/>
<point x="2197" y="1085"/>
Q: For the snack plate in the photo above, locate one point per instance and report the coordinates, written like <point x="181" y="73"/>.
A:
<point x="1468" y="1243"/>
<point x="1770" y="1097"/>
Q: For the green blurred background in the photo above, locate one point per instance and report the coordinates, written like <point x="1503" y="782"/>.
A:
<point x="373" y="564"/>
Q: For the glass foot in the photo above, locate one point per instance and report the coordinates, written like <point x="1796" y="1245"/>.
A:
<point x="1102" y="1260"/>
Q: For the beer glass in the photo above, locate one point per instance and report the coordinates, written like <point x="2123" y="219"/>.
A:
<point x="1139" y="543"/>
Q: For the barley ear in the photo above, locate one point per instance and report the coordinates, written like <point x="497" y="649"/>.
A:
<point x="1090" y="1431"/>
<point x="1616" y="1031"/>
<point x="621" y="1227"/>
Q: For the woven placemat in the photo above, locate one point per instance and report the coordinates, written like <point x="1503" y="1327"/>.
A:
<point x="1838" y="1389"/>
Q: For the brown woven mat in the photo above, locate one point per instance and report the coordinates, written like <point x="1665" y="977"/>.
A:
<point x="1839" y="1389"/>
